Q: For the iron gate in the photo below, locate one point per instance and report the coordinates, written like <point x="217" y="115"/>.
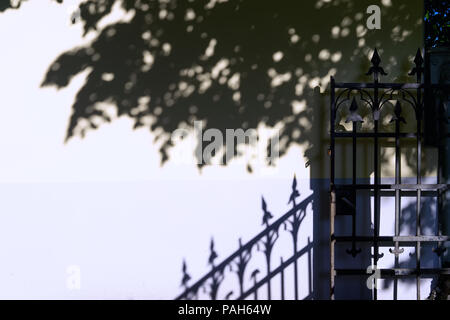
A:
<point x="376" y="96"/>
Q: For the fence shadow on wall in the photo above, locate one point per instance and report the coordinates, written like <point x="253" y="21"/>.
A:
<point x="250" y="283"/>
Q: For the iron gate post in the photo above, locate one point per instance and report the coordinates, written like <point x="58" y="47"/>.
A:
<point x="439" y="74"/>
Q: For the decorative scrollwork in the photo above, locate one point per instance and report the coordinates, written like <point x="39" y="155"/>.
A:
<point x="216" y="281"/>
<point x="396" y="251"/>
<point x="241" y="264"/>
<point x="376" y="95"/>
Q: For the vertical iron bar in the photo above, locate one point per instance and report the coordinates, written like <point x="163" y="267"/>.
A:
<point x="309" y="268"/>
<point x="295" y="272"/>
<point x="440" y="203"/>
<point x="332" y="188"/>
<point x="354" y="181"/>
<point x="419" y="115"/>
<point x="268" y="254"/>
<point x="418" y="221"/>
<point x="294" y="238"/>
<point x="397" y="199"/>
<point x="282" y="280"/>
<point x="376" y="183"/>
<point x="354" y="251"/>
<point x="419" y="191"/>
<point x="354" y="155"/>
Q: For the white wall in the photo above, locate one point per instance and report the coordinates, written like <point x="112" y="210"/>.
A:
<point x="104" y="203"/>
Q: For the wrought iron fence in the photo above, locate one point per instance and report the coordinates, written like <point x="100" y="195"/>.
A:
<point x="263" y="243"/>
<point x="375" y="96"/>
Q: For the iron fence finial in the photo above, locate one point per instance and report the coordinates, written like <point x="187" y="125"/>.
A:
<point x="418" y="59"/>
<point x="213" y="255"/>
<point x="186" y="276"/>
<point x="418" y="69"/>
<point x="267" y="215"/>
<point x="376" y="69"/>
<point x="295" y="194"/>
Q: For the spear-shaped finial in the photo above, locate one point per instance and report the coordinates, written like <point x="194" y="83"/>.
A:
<point x="294" y="194"/>
<point x="398" y="113"/>
<point x="186" y="276"/>
<point x="376" y="58"/>
<point x="213" y="255"/>
<point x="418" y="69"/>
<point x="354" y="116"/>
<point x="267" y="215"/>
<point x="418" y="60"/>
<point x="376" y="69"/>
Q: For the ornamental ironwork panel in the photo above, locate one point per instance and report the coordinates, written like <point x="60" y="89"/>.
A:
<point x="387" y="103"/>
<point x="359" y="111"/>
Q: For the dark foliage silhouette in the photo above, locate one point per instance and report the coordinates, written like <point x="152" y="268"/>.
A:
<point x="232" y="64"/>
